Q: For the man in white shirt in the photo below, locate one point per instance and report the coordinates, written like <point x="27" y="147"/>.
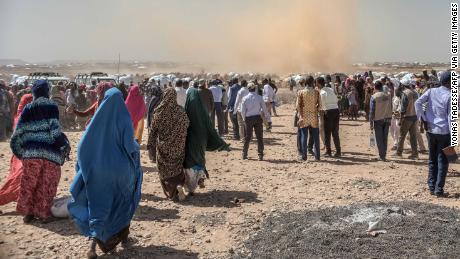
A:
<point x="217" y="111"/>
<point x="331" y="115"/>
<point x="237" y="108"/>
<point x="181" y="93"/>
<point x="268" y="95"/>
<point x="252" y="110"/>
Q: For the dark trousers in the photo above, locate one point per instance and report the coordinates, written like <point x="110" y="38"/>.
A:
<point x="311" y="141"/>
<point x="331" y="127"/>
<point x="274" y="108"/>
<point x="408" y="125"/>
<point x="3" y="127"/>
<point x="236" y="132"/>
<point x="225" y="115"/>
<point x="381" y="129"/>
<point x="217" y="111"/>
<point x="299" y="141"/>
<point x="437" y="162"/>
<point x="254" y="123"/>
<point x="314" y="132"/>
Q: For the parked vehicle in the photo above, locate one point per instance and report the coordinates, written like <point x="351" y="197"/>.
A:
<point x="94" y="78"/>
<point x="51" y="77"/>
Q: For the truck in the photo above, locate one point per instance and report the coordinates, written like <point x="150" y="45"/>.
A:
<point x="52" y="77"/>
<point x="94" y="78"/>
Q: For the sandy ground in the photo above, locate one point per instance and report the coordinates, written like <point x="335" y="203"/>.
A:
<point x="211" y="224"/>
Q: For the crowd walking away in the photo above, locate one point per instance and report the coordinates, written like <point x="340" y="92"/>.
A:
<point x="188" y="115"/>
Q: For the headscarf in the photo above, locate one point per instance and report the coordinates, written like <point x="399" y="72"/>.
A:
<point x="25" y="99"/>
<point x="201" y="135"/>
<point x="154" y="102"/>
<point x="40" y="89"/>
<point x="168" y="135"/>
<point x="136" y="105"/>
<point x="107" y="187"/>
<point x="101" y="89"/>
<point x="168" y="102"/>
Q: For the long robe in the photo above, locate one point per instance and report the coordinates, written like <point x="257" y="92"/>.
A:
<point x="201" y="135"/>
<point x="166" y="142"/>
<point x="106" y="189"/>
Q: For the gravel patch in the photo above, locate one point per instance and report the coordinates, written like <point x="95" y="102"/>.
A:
<point x="405" y="230"/>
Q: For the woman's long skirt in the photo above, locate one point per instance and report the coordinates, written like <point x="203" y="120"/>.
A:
<point x="170" y="185"/>
<point x="138" y="131"/>
<point x="39" y="182"/>
<point x="10" y="190"/>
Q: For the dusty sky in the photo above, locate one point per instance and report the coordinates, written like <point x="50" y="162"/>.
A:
<point x="234" y="32"/>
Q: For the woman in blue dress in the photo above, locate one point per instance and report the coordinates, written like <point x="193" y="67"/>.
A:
<point x="107" y="187"/>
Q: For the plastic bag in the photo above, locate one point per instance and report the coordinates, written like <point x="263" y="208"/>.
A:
<point x="59" y="208"/>
<point x="372" y="139"/>
<point x="192" y="178"/>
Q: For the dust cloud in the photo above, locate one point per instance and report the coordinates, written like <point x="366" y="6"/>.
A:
<point x="219" y="35"/>
<point x="273" y="36"/>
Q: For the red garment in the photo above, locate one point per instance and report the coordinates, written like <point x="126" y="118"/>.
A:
<point x="10" y="190"/>
<point x="88" y="112"/>
<point x="39" y="183"/>
<point x="136" y="105"/>
<point x="100" y="90"/>
<point x="25" y="99"/>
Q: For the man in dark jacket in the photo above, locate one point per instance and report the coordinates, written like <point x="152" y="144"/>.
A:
<point x="232" y="93"/>
<point x="408" y="120"/>
<point x="380" y="118"/>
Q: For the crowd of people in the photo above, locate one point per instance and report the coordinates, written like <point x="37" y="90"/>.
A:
<point x="184" y="120"/>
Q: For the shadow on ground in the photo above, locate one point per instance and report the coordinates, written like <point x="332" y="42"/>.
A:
<point x="286" y="133"/>
<point x="63" y="227"/>
<point x="150" y="169"/>
<point x="281" y="161"/>
<point x="162" y="252"/>
<point x="147" y="213"/>
<point x="151" y="197"/>
<point x="221" y="198"/>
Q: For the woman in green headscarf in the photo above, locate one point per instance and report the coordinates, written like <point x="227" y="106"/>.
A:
<point x="201" y="137"/>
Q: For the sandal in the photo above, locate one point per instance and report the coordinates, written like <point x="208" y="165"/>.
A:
<point x="28" y="218"/>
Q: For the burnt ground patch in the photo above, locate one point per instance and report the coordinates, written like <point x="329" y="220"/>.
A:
<point x="413" y="230"/>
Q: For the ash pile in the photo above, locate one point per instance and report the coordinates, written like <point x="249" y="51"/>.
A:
<point x="375" y="230"/>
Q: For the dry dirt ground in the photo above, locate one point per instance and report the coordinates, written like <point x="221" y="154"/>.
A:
<point x="239" y="197"/>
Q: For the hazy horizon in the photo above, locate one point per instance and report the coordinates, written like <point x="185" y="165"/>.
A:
<point x="266" y="35"/>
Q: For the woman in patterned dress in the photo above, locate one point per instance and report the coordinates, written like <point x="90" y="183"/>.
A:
<point x="166" y="144"/>
<point x="39" y="142"/>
